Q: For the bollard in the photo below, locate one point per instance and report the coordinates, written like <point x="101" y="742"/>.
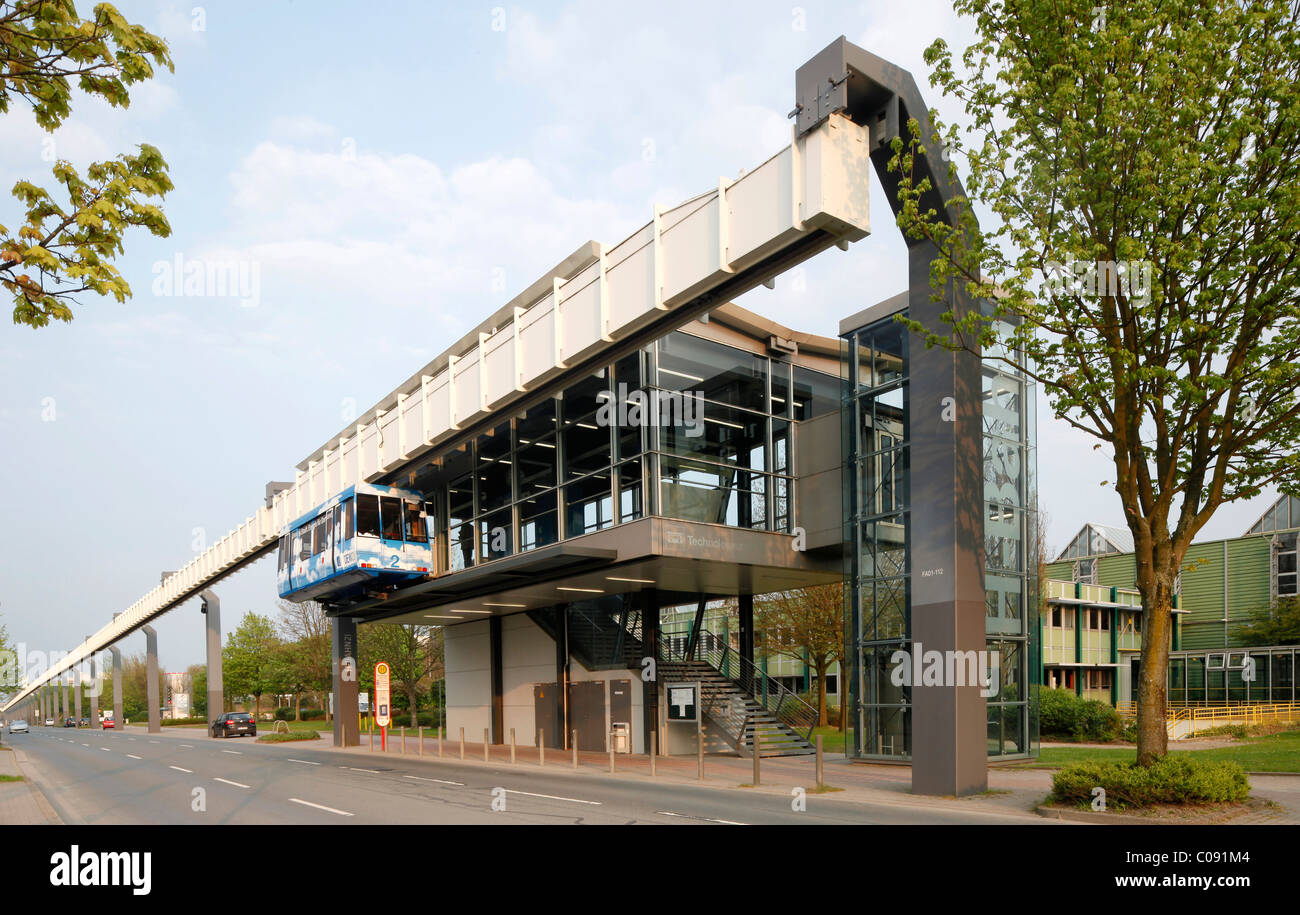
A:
<point x="421" y="740"/>
<point x="611" y="752"/>
<point x="821" y="781"/>
<point x="485" y="746"/>
<point x="372" y="741"/>
<point x="541" y="747"/>
<point x="654" y="741"/>
<point x="575" y="748"/>
<point x="512" y="746"/>
<point x="462" y="743"/>
<point x="754" y="747"/>
<point x="699" y="751"/>
<point x="440" y="731"/>
<point x="403" y="740"/>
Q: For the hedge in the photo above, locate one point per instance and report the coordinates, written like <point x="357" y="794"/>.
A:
<point x="1065" y="716"/>
<point x="1173" y="779"/>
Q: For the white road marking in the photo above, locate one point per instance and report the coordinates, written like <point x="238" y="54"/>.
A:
<point x="371" y="771"/>
<point x="179" y="769"/>
<point x="86" y="745"/>
<point x="552" y="797"/>
<point x="305" y="762"/>
<point x="687" y="816"/>
<point x="342" y="813"/>
<point x="187" y="746"/>
<point x="106" y="749"/>
<point x="133" y="756"/>
<point x="153" y="741"/>
<point x="233" y="752"/>
<point x="228" y="782"/>
<point x="441" y="781"/>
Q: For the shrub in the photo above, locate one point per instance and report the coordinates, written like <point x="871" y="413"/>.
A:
<point x="285" y="714"/>
<point x="1173" y="779"/>
<point x="313" y="714"/>
<point x="291" y="736"/>
<point x="1224" y="730"/>
<point x="1064" y="716"/>
<point x="174" y="722"/>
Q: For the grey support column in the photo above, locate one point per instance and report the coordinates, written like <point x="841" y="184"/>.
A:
<point x="77" y="687"/>
<point x="650" y="646"/>
<point x="117" y="686"/>
<point x="947" y="609"/>
<point x="216" y="691"/>
<point x="746" y="637"/>
<point x="347" y="731"/>
<point x="151" y="678"/>
<point x="93" y="694"/>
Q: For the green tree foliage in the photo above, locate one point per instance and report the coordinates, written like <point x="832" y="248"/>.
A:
<point x="64" y="243"/>
<point x="414" y="653"/>
<point x="249" y="660"/>
<point x="1280" y="626"/>
<point x="198" y="690"/>
<point x="306" y="658"/>
<point x="806" y="625"/>
<point x="1141" y="164"/>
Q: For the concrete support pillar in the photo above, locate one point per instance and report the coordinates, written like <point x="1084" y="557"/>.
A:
<point x="93" y="693"/>
<point x="948" y="610"/>
<point x="746" y="620"/>
<point x="347" y="732"/>
<point x="67" y="709"/>
<point x="151" y="679"/>
<point x="216" y="690"/>
<point x="117" y="686"/>
<point x="562" y="671"/>
<point x="77" y="687"/>
<point x="650" y="634"/>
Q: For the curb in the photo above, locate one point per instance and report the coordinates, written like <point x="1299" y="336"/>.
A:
<point x="42" y="802"/>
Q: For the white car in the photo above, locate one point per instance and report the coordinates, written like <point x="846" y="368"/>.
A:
<point x="49" y="722"/>
<point x="16" y="727"/>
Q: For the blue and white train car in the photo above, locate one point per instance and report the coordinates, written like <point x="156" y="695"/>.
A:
<point x="367" y="535"/>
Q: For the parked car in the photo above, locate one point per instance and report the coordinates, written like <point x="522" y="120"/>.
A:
<point x="18" y="727"/>
<point x="236" y="723"/>
<point x="69" y="722"/>
<point x="49" y="722"/>
<point x="106" y="724"/>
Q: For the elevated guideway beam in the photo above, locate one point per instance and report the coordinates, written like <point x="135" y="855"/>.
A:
<point x="811" y="195"/>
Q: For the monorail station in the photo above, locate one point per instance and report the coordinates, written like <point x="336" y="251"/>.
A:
<point x="621" y="445"/>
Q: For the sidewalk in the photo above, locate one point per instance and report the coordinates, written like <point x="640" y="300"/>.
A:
<point x="21" y="803"/>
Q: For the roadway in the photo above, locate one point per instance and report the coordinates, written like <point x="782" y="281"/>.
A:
<point x="130" y="777"/>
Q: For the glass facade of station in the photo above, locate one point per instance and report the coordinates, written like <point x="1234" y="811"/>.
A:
<point x="877" y="522"/>
<point x="684" y="428"/>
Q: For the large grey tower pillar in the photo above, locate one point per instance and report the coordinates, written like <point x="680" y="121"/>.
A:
<point x="946" y="535"/>
<point x="76" y="693"/>
<point x="347" y="732"/>
<point x="216" y="691"/>
<point x="117" y="686"/>
<point x="151" y="678"/>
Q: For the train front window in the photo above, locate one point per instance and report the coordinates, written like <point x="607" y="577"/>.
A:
<point x="416" y="532"/>
<point x="390" y="510"/>
<point x="367" y="516"/>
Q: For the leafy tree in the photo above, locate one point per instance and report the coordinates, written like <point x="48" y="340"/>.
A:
<point x="198" y="674"/>
<point x="414" y="654"/>
<point x="1274" y="627"/>
<point x="248" y="661"/>
<point x="64" y="247"/>
<point x="807" y="625"/>
<point x="1142" y="165"/>
<point x="306" y="630"/>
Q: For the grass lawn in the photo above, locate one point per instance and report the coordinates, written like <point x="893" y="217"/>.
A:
<point x="832" y="739"/>
<point x="1274" y="753"/>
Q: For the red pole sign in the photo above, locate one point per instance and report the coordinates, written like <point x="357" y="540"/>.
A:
<point x="383" y="703"/>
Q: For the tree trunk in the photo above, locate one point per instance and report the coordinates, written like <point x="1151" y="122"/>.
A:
<point x="821" y="698"/>
<point x="411" y="698"/>
<point x="297" y="706"/>
<point x="1153" y="738"/>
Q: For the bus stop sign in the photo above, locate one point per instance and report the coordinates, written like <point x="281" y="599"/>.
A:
<point x="383" y="698"/>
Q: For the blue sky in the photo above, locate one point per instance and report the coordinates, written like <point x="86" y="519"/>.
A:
<point x="394" y="179"/>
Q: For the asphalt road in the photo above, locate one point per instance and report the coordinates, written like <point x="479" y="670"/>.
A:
<point x="98" y="777"/>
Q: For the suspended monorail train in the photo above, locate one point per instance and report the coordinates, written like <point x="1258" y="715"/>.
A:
<point x="367" y="538"/>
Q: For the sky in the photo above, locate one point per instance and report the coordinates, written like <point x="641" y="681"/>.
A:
<point x="385" y="182"/>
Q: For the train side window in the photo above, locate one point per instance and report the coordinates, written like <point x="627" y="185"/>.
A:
<point x="367" y="516"/>
<point x="302" y="542"/>
<point x="284" y="551"/>
<point x="349" y="519"/>
<point x="391" y="517"/>
<point x="320" y="535"/>
<point x="416" y="531"/>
